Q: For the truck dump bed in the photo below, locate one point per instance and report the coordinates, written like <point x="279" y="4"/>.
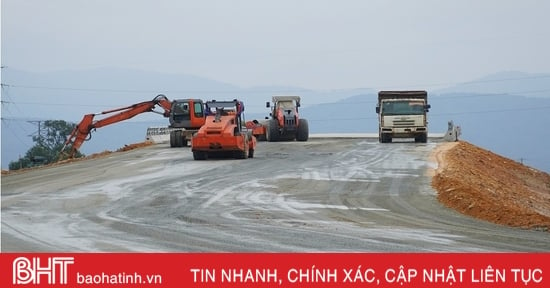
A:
<point x="420" y="94"/>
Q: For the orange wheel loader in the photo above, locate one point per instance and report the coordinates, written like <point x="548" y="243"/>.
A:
<point x="284" y="123"/>
<point x="223" y="134"/>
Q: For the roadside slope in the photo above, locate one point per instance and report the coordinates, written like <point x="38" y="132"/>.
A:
<point x="484" y="185"/>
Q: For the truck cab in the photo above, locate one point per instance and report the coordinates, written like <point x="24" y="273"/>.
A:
<point x="402" y="114"/>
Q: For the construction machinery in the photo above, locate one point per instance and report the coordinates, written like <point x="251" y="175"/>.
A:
<point x="223" y="134"/>
<point x="284" y="123"/>
<point x="402" y="114"/>
<point x="186" y="117"/>
<point x="258" y="128"/>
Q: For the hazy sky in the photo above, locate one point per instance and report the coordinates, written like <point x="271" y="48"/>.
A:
<point x="316" y="44"/>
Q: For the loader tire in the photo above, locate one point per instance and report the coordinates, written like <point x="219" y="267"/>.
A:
<point x="242" y="154"/>
<point x="272" y="133"/>
<point x="261" y="137"/>
<point x="303" y="130"/>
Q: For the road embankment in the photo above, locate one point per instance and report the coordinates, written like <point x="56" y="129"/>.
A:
<point x="487" y="186"/>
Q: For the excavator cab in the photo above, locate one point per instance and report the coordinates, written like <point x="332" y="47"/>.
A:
<point x="187" y="113"/>
<point x="186" y="117"/>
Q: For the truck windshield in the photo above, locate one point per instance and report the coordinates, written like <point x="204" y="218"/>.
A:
<point x="402" y="108"/>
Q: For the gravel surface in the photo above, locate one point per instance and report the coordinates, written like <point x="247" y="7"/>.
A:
<point x="320" y="195"/>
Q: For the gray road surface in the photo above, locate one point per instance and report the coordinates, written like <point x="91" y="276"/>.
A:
<point x="325" y="195"/>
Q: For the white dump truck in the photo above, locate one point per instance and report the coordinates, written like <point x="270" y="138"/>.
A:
<point x="402" y="114"/>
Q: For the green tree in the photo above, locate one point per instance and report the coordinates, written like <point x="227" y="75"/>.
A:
<point x="49" y="142"/>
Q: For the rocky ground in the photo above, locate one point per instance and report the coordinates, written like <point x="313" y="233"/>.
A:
<point x="482" y="184"/>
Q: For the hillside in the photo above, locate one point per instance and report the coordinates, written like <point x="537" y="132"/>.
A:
<point x="484" y="185"/>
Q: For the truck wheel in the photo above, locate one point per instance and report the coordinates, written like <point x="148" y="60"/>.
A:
<point x="172" y="139"/>
<point x="424" y="138"/>
<point x="177" y="140"/>
<point x="184" y="141"/>
<point x="303" y="130"/>
<point x="385" y="138"/>
<point x="272" y="133"/>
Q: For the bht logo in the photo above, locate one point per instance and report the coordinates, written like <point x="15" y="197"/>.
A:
<point x="27" y="271"/>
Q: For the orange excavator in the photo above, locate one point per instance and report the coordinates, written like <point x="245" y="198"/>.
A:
<point x="222" y="134"/>
<point x="186" y="117"/>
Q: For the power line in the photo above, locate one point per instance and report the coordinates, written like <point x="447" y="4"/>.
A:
<point x="344" y="102"/>
<point x="442" y="114"/>
<point x="451" y="95"/>
<point x="506" y="79"/>
<point x="15" y="134"/>
<point x="54" y="104"/>
<point x="237" y="90"/>
<point x="5" y="93"/>
<point x="341" y="119"/>
<point x="443" y="84"/>
<point x="494" y="111"/>
<point x="252" y="90"/>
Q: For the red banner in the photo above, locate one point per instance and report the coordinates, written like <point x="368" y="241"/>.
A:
<point x="275" y="269"/>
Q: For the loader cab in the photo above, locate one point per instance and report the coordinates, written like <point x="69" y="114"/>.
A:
<point x="288" y="104"/>
<point x="233" y="108"/>
<point x="187" y="113"/>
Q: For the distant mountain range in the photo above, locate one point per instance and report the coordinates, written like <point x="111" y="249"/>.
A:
<point x="510" y="82"/>
<point x="506" y="113"/>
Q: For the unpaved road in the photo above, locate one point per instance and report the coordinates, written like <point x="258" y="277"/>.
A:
<point x="321" y="195"/>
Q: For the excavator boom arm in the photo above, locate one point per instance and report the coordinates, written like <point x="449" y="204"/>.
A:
<point x="82" y="131"/>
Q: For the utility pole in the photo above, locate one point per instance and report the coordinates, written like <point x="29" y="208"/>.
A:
<point x="39" y="134"/>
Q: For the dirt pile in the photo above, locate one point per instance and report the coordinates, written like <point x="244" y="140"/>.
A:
<point x="487" y="186"/>
<point x="128" y="147"/>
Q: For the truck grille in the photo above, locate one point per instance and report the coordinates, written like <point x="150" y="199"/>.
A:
<point x="290" y="122"/>
<point x="403" y="123"/>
